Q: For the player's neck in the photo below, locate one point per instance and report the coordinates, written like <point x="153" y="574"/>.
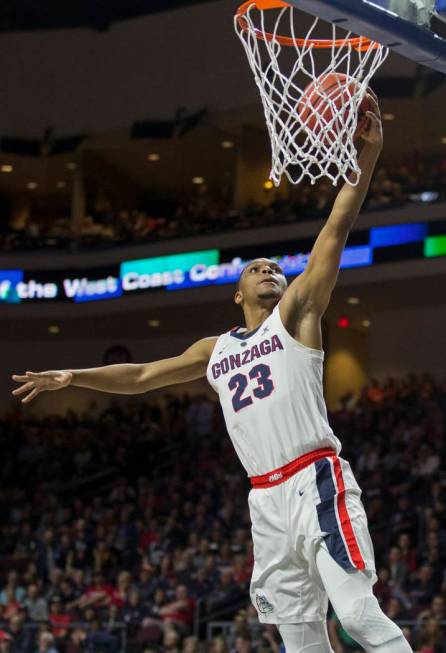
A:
<point x="256" y="315"/>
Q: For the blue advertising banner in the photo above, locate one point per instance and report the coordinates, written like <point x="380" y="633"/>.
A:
<point x="212" y="267"/>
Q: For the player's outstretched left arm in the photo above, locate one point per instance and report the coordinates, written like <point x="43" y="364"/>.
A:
<point x="313" y="288"/>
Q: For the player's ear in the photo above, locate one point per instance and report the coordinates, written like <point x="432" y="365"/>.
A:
<point x="238" y="297"/>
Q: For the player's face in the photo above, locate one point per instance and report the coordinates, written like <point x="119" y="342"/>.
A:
<point x="262" y="280"/>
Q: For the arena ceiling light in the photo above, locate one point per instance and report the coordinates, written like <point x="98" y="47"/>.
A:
<point x="6" y="167"/>
<point x="54" y="329"/>
<point x="227" y="145"/>
<point x="32" y="185"/>
<point x="154" y="323"/>
<point x="366" y="324"/>
<point x="388" y="117"/>
<point x="61" y="184"/>
<point x="154" y="156"/>
<point x="198" y="181"/>
<point x="353" y="301"/>
<point x="71" y="165"/>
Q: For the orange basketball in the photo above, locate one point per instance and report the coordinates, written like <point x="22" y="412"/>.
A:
<point x="324" y="100"/>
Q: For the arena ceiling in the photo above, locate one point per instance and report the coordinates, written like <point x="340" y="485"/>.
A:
<point x="74" y="90"/>
<point x="23" y="15"/>
<point x="174" y="54"/>
<point x="198" y="153"/>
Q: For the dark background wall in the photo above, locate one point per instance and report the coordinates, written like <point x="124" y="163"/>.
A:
<point x="83" y="80"/>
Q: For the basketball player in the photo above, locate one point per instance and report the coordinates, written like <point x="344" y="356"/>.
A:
<point x="308" y="524"/>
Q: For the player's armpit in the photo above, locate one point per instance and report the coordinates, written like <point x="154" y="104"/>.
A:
<point x="302" y="324"/>
<point x="189" y="366"/>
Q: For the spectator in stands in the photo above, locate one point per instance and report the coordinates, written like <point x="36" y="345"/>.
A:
<point x="191" y="645"/>
<point x="180" y="611"/>
<point x="403" y="517"/>
<point x="399" y="571"/>
<point x="375" y="393"/>
<point x="35" y="604"/>
<point x="226" y="593"/>
<point x="242" y="644"/>
<point x="437" y="610"/>
<point x="427" y="463"/>
<point x="218" y="645"/>
<point x="46" y="553"/>
<point x="408" y="553"/>
<point x="171" y="641"/>
<point x="13" y="591"/>
<point x="22" y="639"/>
<point x="46" y="643"/>
<point x="392" y="187"/>
<point x="199" y="416"/>
<point x="98" y="595"/>
<point x="147" y="581"/>
<point x="78" y="587"/>
<point x="270" y="640"/>
<point x="134" y="613"/>
<point x="113" y="620"/>
<point x="383" y="588"/>
<point x="58" y="618"/>
<point x="241" y="624"/>
<point x="120" y="595"/>
<point x="76" y="641"/>
<point x="12" y="606"/>
<point x="422" y="590"/>
<point x="5" y="642"/>
<point x="55" y="584"/>
<point x="98" y="639"/>
<point x="395" y="610"/>
<point x="431" y="637"/>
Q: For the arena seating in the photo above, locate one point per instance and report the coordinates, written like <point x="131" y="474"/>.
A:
<point x="393" y="186"/>
<point x="127" y="529"/>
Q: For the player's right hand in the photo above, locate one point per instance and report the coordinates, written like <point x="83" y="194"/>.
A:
<point x="35" y="382"/>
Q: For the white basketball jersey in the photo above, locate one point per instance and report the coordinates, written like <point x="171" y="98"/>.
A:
<point x="271" y="391"/>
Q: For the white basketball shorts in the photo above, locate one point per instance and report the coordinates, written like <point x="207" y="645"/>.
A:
<point x="290" y="519"/>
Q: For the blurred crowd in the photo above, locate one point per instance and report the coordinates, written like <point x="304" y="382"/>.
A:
<point x="127" y="528"/>
<point x="392" y="187"/>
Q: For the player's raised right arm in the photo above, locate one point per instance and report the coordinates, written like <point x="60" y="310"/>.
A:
<point x="126" y="379"/>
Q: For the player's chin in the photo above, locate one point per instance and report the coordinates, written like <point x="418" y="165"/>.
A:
<point x="270" y="293"/>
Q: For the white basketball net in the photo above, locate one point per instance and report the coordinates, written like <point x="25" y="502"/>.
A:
<point x="297" y="151"/>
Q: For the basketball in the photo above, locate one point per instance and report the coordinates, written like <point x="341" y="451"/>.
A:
<point x="327" y="93"/>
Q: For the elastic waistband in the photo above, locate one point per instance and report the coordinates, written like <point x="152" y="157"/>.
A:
<point x="281" y="474"/>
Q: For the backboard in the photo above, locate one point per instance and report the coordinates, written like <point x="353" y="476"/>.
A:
<point x="413" y="28"/>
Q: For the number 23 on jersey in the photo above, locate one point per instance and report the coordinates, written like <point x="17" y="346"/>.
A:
<point x="257" y="384"/>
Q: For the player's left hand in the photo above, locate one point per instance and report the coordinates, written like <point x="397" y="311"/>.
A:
<point x="373" y="131"/>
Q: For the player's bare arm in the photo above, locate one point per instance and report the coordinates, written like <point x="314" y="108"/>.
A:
<point x="125" y="379"/>
<point x="308" y="296"/>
